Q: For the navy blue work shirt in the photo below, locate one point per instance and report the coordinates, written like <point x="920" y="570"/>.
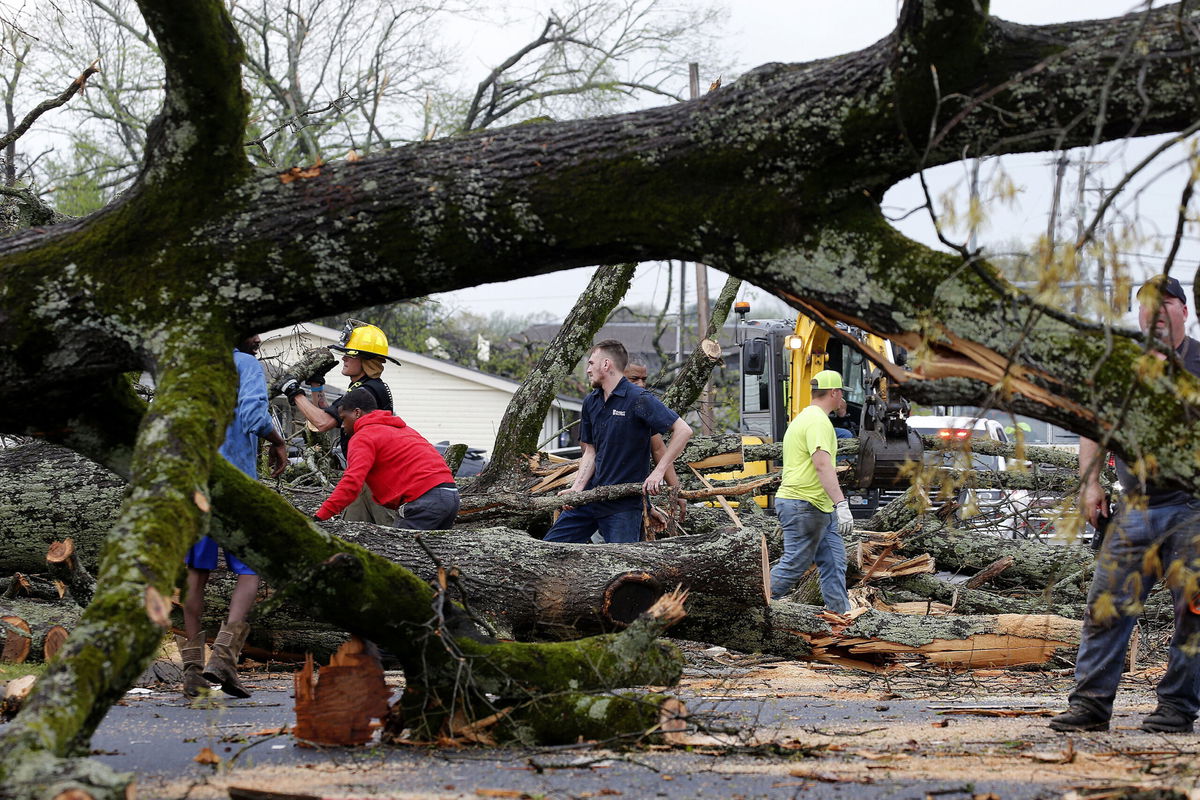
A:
<point x="620" y="430"/>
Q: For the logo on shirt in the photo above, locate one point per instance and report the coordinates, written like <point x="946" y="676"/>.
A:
<point x="617" y="413"/>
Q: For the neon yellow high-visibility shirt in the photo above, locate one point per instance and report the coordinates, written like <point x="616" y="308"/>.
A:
<point x="810" y="431"/>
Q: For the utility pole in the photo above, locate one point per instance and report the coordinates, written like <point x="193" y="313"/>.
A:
<point x="682" y="310"/>
<point x="706" y="414"/>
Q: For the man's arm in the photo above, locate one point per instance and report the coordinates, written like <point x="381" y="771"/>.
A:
<point x="680" y="433"/>
<point x="587" y="466"/>
<point x="277" y="455"/>
<point x="827" y="475"/>
<point x="359" y="462"/>
<point x="317" y="417"/>
<point x="1091" y="493"/>
<point x="658" y="450"/>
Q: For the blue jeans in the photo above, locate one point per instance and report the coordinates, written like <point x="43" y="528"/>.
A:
<point x="810" y="533"/>
<point x="578" y="524"/>
<point x="1125" y="575"/>
<point x="831" y="569"/>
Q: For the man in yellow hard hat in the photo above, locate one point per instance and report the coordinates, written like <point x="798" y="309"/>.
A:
<point x="364" y="350"/>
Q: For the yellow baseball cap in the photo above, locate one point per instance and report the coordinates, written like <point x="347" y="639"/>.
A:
<point x="827" y="379"/>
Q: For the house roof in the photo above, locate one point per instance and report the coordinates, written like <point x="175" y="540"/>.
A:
<point x="328" y="336"/>
<point x="636" y="335"/>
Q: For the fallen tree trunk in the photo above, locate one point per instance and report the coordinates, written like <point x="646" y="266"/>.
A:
<point x="878" y="641"/>
<point x="49" y="493"/>
<point x="39" y="587"/>
<point x="1036" y="566"/>
<point x="953" y="641"/>
<point x="537" y="588"/>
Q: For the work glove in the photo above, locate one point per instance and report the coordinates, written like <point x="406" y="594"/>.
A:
<point x="291" y="387"/>
<point x="318" y="376"/>
<point x="845" y="520"/>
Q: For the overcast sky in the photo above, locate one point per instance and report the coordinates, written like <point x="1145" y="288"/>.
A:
<point x="762" y="31"/>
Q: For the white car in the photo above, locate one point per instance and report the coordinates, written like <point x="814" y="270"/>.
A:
<point x="1001" y="510"/>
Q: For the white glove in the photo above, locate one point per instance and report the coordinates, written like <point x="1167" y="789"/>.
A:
<point x="845" y="520"/>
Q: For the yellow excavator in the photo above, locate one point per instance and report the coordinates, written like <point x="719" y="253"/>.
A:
<point x="779" y="359"/>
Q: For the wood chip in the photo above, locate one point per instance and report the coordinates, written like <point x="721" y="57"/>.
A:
<point x="201" y="501"/>
<point x="206" y="756"/>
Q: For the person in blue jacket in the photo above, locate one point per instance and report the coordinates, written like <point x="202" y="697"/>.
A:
<point x="251" y="422"/>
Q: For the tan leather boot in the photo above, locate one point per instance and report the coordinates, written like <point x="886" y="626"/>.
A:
<point x="222" y="660"/>
<point x="192" y="652"/>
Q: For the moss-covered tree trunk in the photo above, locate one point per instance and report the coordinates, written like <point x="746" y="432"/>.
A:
<point x="164" y="511"/>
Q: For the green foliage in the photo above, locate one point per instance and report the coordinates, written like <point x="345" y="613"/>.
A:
<point x="76" y="183"/>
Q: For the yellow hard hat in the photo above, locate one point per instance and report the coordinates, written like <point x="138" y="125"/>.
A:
<point x="363" y="340"/>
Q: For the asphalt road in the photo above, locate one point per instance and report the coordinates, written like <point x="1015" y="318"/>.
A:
<point x="158" y="736"/>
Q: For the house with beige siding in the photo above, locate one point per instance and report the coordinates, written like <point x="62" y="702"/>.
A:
<point x="441" y="400"/>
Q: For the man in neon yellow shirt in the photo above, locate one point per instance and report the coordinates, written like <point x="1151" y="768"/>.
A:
<point x="809" y="502"/>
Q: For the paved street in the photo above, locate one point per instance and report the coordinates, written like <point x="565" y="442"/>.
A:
<point x="831" y="736"/>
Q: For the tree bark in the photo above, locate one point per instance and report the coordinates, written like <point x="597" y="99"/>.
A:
<point x="697" y="369"/>
<point x="538" y="588"/>
<point x="50" y="493"/>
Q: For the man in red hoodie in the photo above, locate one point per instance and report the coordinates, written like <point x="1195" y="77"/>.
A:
<point x="403" y="470"/>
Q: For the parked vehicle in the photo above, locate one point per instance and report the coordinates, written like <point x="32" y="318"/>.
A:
<point x="1000" y="510"/>
<point x="472" y="464"/>
<point x="1049" y="516"/>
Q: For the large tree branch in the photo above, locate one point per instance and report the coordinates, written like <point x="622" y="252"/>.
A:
<point x="197" y="136"/>
<point x="723" y="179"/>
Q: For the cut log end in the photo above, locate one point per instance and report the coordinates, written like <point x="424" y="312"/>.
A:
<point x="338" y="707"/>
<point x="61" y="552"/>
<point x="672" y="721"/>
<point x="17" y="639"/>
<point x="13" y="694"/>
<point x="629" y="595"/>
<point x="56" y="636"/>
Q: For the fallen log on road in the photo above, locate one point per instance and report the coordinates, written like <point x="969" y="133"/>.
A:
<point x="538" y="588"/>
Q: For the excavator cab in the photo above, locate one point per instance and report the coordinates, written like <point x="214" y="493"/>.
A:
<point x="779" y="358"/>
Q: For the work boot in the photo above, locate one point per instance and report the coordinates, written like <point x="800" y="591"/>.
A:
<point x="192" y="653"/>
<point x="1166" y="719"/>
<point x="222" y="661"/>
<point x="1079" y="718"/>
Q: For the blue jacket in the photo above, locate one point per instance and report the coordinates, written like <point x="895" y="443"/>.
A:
<point x="251" y="416"/>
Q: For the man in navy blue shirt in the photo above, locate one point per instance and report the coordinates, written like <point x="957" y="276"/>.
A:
<point x="618" y="420"/>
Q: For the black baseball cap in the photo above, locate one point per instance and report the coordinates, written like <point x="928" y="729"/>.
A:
<point x="1170" y="287"/>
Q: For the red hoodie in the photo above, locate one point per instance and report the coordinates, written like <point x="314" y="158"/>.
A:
<point x="395" y="461"/>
